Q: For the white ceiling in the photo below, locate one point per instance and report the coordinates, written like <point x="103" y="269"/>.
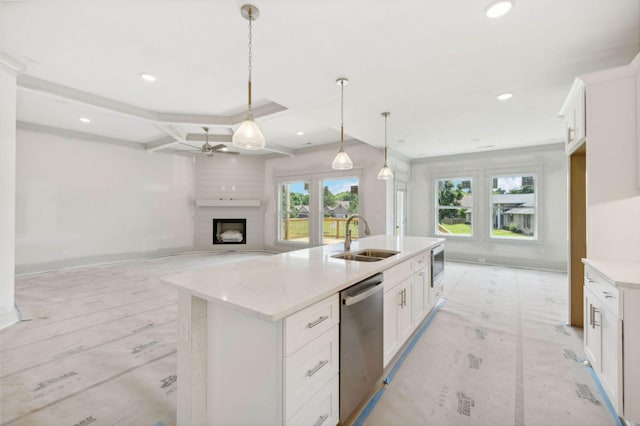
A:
<point x="436" y="65"/>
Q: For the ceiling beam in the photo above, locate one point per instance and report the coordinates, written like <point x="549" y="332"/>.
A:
<point x="74" y="134"/>
<point x="12" y="63"/>
<point x="161" y="143"/>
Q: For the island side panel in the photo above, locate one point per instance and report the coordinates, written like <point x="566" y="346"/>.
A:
<point x="192" y="360"/>
<point x="244" y="374"/>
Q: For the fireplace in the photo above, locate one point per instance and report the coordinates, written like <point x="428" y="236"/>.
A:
<point x="229" y="231"/>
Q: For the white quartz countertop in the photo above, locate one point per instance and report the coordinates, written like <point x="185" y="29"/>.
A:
<point x="623" y="274"/>
<point x="274" y="287"/>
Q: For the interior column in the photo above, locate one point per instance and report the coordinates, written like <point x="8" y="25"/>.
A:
<point x="9" y="70"/>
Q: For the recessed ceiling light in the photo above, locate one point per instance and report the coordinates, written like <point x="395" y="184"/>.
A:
<point x="85" y="120"/>
<point x="505" y="96"/>
<point x="147" y="77"/>
<point x="499" y="8"/>
<point x="300" y="133"/>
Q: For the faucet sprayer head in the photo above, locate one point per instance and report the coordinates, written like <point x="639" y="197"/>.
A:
<point x="367" y="230"/>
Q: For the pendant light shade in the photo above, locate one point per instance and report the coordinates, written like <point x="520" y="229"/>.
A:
<point x="342" y="160"/>
<point x="248" y="135"/>
<point x="385" y="172"/>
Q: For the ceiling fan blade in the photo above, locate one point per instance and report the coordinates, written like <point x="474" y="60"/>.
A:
<point x="197" y="148"/>
<point x="217" y="147"/>
<point x="227" y="152"/>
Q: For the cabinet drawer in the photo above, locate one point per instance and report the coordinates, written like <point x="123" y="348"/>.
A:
<point x="304" y="326"/>
<point x="394" y="275"/>
<point x="307" y="370"/>
<point x="421" y="261"/>
<point x="607" y="293"/>
<point x="321" y="410"/>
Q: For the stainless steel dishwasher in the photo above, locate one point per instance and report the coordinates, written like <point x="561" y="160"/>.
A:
<point x="361" y="345"/>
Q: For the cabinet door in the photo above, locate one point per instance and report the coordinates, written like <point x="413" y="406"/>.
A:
<point x="405" y="325"/>
<point x="611" y="356"/>
<point x="420" y="296"/>
<point x="392" y="300"/>
<point x="575" y="118"/>
<point x="592" y="331"/>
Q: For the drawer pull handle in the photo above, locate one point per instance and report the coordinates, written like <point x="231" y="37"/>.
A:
<point x="421" y="260"/>
<point x="321" y="420"/>
<point x="315" y="369"/>
<point x="318" y="321"/>
<point x="608" y="296"/>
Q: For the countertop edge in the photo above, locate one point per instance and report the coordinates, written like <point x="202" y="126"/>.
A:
<point x="611" y="271"/>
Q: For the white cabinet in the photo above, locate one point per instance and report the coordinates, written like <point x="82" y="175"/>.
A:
<point x="421" y="291"/>
<point x="573" y="111"/>
<point x="612" y="340"/>
<point x="406" y="301"/>
<point x="397" y="317"/>
<point x="273" y="373"/>
<point x="311" y="359"/>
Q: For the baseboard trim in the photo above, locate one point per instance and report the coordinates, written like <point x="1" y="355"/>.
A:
<point x="80" y="262"/>
<point x="544" y="265"/>
<point x="9" y="318"/>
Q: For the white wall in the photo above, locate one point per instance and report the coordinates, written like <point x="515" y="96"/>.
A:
<point x="550" y="252"/>
<point x="226" y="177"/>
<point x="367" y="161"/>
<point x="83" y="202"/>
<point x="7" y="193"/>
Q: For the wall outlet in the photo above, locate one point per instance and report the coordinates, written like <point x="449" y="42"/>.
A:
<point x="183" y="329"/>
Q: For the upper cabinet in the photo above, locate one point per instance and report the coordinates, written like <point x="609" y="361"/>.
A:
<point x="574" y="113"/>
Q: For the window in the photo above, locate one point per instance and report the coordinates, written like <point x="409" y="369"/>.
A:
<point x="514" y="207"/>
<point x="454" y="206"/>
<point x="340" y="200"/>
<point x="294" y="212"/>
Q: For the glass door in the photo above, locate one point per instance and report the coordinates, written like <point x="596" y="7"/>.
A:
<point x="400" y="216"/>
<point x="340" y="200"/>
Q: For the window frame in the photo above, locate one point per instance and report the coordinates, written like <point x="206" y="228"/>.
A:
<point x="436" y="213"/>
<point x="306" y="179"/>
<point x="536" y="172"/>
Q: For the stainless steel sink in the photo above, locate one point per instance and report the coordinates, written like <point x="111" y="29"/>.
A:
<point x="351" y="256"/>
<point x="367" y="255"/>
<point x="376" y="253"/>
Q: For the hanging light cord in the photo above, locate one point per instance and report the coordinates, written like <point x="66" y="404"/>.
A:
<point x="341" y="115"/>
<point x="250" y="56"/>
<point x="385" y="140"/>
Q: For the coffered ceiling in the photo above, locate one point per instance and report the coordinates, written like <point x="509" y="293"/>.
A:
<point x="436" y="65"/>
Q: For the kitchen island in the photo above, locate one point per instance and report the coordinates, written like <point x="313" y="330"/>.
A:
<point x="247" y="331"/>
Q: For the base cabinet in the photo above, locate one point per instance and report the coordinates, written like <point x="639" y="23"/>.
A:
<point x="612" y="340"/>
<point x="408" y="298"/>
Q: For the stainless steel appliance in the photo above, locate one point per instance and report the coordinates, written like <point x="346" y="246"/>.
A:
<point x="361" y="342"/>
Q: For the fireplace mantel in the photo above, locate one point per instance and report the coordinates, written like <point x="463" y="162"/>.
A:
<point x="227" y="203"/>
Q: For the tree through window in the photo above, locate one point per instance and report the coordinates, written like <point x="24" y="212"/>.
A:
<point x="454" y="207"/>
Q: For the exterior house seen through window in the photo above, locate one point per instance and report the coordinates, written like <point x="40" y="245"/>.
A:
<point x="454" y="207"/>
<point x="338" y="199"/>
<point x="514" y="207"/>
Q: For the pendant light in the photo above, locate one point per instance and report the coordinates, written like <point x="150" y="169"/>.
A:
<point x="342" y="160"/>
<point x="385" y="172"/>
<point x="248" y="135"/>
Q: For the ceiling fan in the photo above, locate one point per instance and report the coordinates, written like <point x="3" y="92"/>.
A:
<point x="209" y="149"/>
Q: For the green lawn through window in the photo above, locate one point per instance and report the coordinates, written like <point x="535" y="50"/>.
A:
<point x="458" y="228"/>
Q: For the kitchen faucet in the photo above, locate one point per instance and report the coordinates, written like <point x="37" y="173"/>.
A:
<point x="347" y="239"/>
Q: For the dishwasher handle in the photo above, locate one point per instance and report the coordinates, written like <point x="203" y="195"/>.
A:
<point x="352" y="300"/>
<point x="371" y="286"/>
